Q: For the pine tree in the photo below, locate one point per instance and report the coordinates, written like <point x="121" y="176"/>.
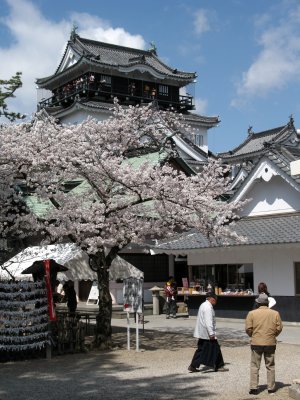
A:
<point x="7" y="90"/>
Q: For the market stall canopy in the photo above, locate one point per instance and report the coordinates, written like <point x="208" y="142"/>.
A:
<point x="69" y="255"/>
<point x="122" y="269"/>
<point x="38" y="266"/>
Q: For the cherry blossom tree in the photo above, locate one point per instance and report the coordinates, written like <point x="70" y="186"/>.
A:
<point x="119" y="194"/>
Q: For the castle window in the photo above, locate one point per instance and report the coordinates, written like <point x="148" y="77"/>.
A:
<point x="105" y="80"/>
<point x="163" y="90"/>
<point x="198" y="140"/>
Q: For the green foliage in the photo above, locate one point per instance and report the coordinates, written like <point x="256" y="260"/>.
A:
<point x="7" y="90"/>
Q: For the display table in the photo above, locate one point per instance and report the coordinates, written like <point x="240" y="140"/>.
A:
<point x="228" y="306"/>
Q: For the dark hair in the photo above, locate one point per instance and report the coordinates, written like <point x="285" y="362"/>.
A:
<point x="262" y="288"/>
<point x="212" y="295"/>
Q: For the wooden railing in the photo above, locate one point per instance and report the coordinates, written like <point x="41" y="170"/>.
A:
<point x="69" y="95"/>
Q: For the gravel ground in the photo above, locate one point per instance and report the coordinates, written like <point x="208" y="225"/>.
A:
<point x="157" y="371"/>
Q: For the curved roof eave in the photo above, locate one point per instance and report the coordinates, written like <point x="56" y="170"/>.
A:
<point x="42" y="82"/>
<point x="77" y="105"/>
<point x="257" y="172"/>
<point x="275" y="133"/>
<point x="207" y="121"/>
<point x="258" y="231"/>
<point x="84" y="61"/>
<point x="93" y="47"/>
<point x="92" y="51"/>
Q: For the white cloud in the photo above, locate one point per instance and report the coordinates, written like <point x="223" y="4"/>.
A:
<point x="38" y="44"/>
<point x="92" y="27"/>
<point x="200" y="106"/>
<point x="277" y="64"/>
<point x="201" y="21"/>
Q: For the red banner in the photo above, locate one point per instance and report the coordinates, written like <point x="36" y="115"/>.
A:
<point x="52" y="313"/>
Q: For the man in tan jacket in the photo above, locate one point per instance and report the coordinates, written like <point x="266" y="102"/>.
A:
<point x="263" y="325"/>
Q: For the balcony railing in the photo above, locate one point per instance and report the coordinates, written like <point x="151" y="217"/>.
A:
<point x="71" y="93"/>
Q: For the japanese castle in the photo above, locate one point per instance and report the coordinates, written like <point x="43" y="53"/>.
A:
<point x="91" y="74"/>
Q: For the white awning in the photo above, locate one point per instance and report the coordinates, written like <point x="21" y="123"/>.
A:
<point x="68" y="255"/>
<point x="121" y="269"/>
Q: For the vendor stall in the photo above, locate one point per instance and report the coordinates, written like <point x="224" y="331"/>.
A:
<point x="231" y="304"/>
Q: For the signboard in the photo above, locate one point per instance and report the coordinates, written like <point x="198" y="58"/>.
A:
<point x="185" y="282"/>
<point x="94" y="294"/>
<point x="133" y="295"/>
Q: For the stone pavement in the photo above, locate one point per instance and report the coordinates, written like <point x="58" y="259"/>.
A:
<point x="157" y="372"/>
<point x="230" y="328"/>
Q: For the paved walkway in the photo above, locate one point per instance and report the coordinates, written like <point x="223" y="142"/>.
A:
<point x="226" y="327"/>
<point x="157" y="372"/>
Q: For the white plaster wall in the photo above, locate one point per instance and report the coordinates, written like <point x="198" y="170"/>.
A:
<point x="201" y="130"/>
<point x="78" y="116"/>
<point x="271" y="264"/>
<point x="273" y="197"/>
<point x="276" y="268"/>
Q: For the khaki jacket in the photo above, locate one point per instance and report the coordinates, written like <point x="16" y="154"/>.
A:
<point x="263" y="325"/>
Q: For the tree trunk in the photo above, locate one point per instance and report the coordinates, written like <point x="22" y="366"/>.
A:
<point x="103" y="320"/>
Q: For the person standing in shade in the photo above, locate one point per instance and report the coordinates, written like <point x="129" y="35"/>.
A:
<point x="153" y="93"/>
<point x="170" y="293"/>
<point x="208" y="352"/>
<point x="263" y="325"/>
<point x="70" y="297"/>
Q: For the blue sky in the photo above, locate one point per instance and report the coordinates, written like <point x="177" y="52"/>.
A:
<point x="246" y="53"/>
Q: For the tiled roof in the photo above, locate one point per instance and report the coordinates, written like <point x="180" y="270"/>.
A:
<point x="88" y="105"/>
<point x="208" y="121"/>
<point x="281" y="156"/>
<point x="257" y="231"/>
<point x="38" y="206"/>
<point x="114" y="55"/>
<point x="256" y="142"/>
<point x="117" y="57"/>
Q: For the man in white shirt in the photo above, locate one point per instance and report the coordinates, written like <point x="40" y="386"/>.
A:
<point x="208" y="352"/>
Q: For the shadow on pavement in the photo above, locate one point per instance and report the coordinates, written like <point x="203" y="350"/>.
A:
<point x="154" y="339"/>
<point x="96" y="375"/>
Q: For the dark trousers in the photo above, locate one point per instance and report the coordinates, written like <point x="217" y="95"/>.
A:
<point x="209" y="354"/>
<point x="171" y="307"/>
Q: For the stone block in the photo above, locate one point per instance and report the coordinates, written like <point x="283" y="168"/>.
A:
<point x="181" y="308"/>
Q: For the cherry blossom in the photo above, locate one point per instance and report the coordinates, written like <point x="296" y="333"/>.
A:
<point x="106" y="184"/>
